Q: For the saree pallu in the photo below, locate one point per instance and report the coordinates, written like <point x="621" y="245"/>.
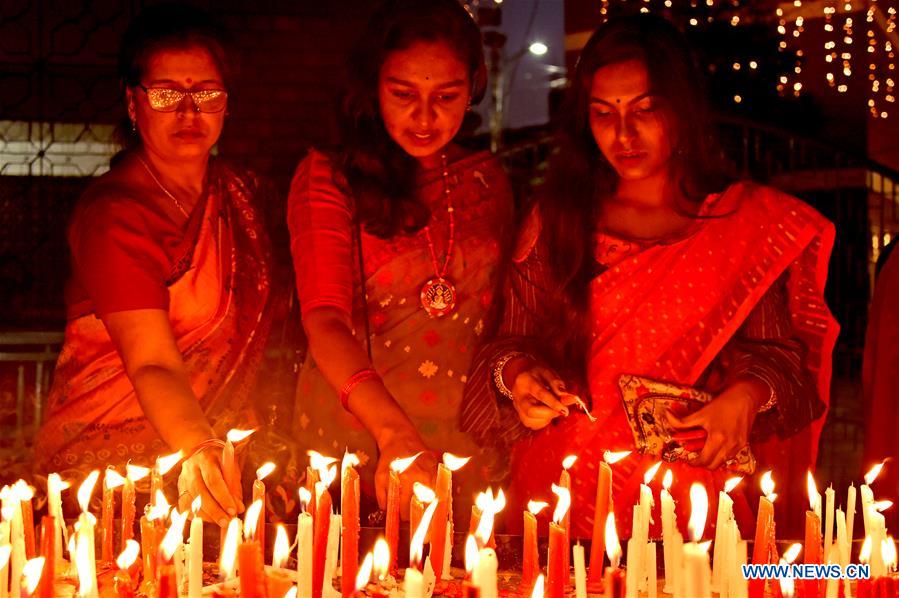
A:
<point x="219" y="312"/>
<point x="422" y="360"/>
<point x="665" y="313"/>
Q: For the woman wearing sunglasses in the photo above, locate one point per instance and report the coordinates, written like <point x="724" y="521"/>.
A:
<point x="168" y="305"/>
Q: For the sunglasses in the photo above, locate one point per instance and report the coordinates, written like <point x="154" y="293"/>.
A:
<point x="164" y="99"/>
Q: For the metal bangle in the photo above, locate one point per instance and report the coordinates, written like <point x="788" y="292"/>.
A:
<point x="498" y="372"/>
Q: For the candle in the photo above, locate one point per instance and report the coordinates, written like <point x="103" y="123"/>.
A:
<point x="530" y="557"/>
<point x="416" y="550"/>
<point x="195" y="568"/>
<point x="865" y="586"/>
<point x="26" y="494"/>
<point x="85" y="527"/>
<point x="249" y="556"/>
<point x="304" y="555"/>
<point x="601" y="509"/>
<point x="640" y="531"/>
<point x="413" y="583"/>
<point x="48" y="546"/>
<point x="850" y="515"/>
<point x="483" y="577"/>
<point x="166" y="570"/>
<point x="392" y="524"/>
<point x="482" y="526"/>
<point x="259" y="494"/>
<point x="580" y="572"/>
<point x="133" y="473"/>
<point x="453" y="464"/>
<point x="123" y="583"/>
<point x="725" y="513"/>
<point x="813" y="536"/>
<point x="322" y="526"/>
<point x="111" y="481"/>
<point x="565" y="482"/>
<point x="738" y="587"/>
<point x="556" y="573"/>
<point x="868" y="496"/>
<point x="228" y="558"/>
<point x="614" y="579"/>
<point x="31" y="575"/>
<point x="278" y="578"/>
<point x="634" y="554"/>
<point x="764" y="546"/>
<point x="787" y="587"/>
<point x="16" y="538"/>
<point x="84" y="563"/>
<point x="332" y="554"/>
<point x="157" y="476"/>
<point x="55" y="486"/>
<point x="697" y="573"/>
<point x="444" y="491"/>
<point x="669" y="526"/>
<point x="5" y="555"/>
<point x="422" y="496"/>
<point x="652" y="583"/>
<point x="829" y="499"/>
<point x="349" y="509"/>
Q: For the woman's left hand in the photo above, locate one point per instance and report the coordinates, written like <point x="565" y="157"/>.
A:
<point x="727" y="420"/>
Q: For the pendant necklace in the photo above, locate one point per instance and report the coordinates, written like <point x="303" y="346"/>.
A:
<point x="174" y="199"/>
<point x="438" y="295"/>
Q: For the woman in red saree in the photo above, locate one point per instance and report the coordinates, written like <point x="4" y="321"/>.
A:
<point x="396" y="239"/>
<point x="168" y="306"/>
<point x="638" y="260"/>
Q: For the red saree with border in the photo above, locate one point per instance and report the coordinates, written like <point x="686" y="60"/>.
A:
<point x="220" y="316"/>
<point x="665" y="313"/>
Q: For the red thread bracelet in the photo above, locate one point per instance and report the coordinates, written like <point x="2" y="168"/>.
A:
<point x="354" y="381"/>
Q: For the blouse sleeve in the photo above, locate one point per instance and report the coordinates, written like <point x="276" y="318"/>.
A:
<point x="765" y="348"/>
<point x="320" y="220"/>
<point x="116" y="257"/>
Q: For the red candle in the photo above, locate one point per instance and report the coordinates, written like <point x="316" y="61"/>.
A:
<point x="149" y="546"/>
<point x="28" y="521"/>
<point x="168" y="582"/>
<point x="259" y="494"/>
<point x="312" y="478"/>
<point x="765" y="547"/>
<point x="556" y="574"/>
<point x="813" y="552"/>
<point x="475" y="521"/>
<point x="252" y="571"/>
<point x="45" y="588"/>
<point x="864" y="589"/>
<point x="615" y="587"/>
<point x="600" y="512"/>
<point x="392" y="525"/>
<point x="444" y="492"/>
<point x="349" y="542"/>
<point x="321" y="525"/>
<point x="530" y="556"/>
<point x="111" y="481"/>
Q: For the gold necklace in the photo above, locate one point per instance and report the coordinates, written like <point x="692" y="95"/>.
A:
<point x="174" y="199"/>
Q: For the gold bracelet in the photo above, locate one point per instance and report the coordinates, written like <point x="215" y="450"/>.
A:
<point x="498" y="372"/>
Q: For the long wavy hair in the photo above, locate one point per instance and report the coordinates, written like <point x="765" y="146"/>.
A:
<point x="380" y="174"/>
<point x="580" y="177"/>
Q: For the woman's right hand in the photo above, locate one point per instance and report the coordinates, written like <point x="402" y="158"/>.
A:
<point x="423" y="469"/>
<point x="202" y="475"/>
<point x="538" y="392"/>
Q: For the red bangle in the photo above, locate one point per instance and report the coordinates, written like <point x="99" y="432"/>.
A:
<point x="354" y="381"/>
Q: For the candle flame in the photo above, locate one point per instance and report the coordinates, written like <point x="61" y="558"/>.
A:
<point x="195" y="505"/>
<point x="873" y="473"/>
<point x="166" y="462"/>
<point x="160" y="507"/>
<point x="667" y="479"/>
<point x="234" y="435"/>
<point x="881" y="505"/>
<point x="732" y="483"/>
<point x="864" y="556"/>
<point x="32" y="574"/>
<point x="787" y="587"/>
<point x="568" y="461"/>
<point x="612" y="458"/>
<point x="291" y="593"/>
<point x="128" y="556"/>
<point x="282" y="547"/>
<point x="174" y="536"/>
<point x="888" y="550"/>
<point x="265" y="470"/>
<point x="535" y="506"/>
<point x="349" y="460"/>
<point x="767" y="485"/>
<point x="651" y="473"/>
<point x="814" y="498"/>
<point x="381" y="559"/>
<point x="401" y="465"/>
<point x="136" y="472"/>
<point x="613" y="545"/>
<point x="86" y="489"/>
<point x="364" y="573"/>
<point x="416" y="547"/>
<point x="305" y="497"/>
<point x="22" y="491"/>
<point x="5" y="552"/>
<point x="489" y="505"/>
<point x="327" y="476"/>
<point x="704" y="546"/>
<point x="112" y="479"/>
<point x="56" y="484"/>
<point x="699" y="508"/>
<point x="86" y="582"/>
<point x="319" y="462"/>
<point x="792" y="552"/>
<point x="454" y="463"/>
<point x="251" y="520"/>
<point x="563" y="503"/>
<point x="538" y="587"/>
<point x="471" y="554"/>
<point x="229" y="549"/>
<point x="424" y="494"/>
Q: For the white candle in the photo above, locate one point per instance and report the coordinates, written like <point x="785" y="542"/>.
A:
<point x="697" y="573"/>
<point x="17" y="540"/>
<point x="842" y="539"/>
<point x="677" y="563"/>
<point x="652" y="581"/>
<point x="85" y="529"/>
<point x="739" y="587"/>
<point x="725" y="512"/>
<point x="633" y="552"/>
<point x="669" y="524"/>
<point x="580" y="571"/>
<point x="484" y="575"/>
<point x="850" y="515"/>
<point x="195" y="571"/>
<point x="333" y="548"/>
<point x="55" y="486"/>
<point x="4" y="570"/>
<point x="304" y="556"/>
<point x="413" y="583"/>
<point x="867" y="501"/>
<point x="829" y="498"/>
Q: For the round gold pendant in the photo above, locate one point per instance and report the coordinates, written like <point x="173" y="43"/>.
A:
<point x="438" y="297"/>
